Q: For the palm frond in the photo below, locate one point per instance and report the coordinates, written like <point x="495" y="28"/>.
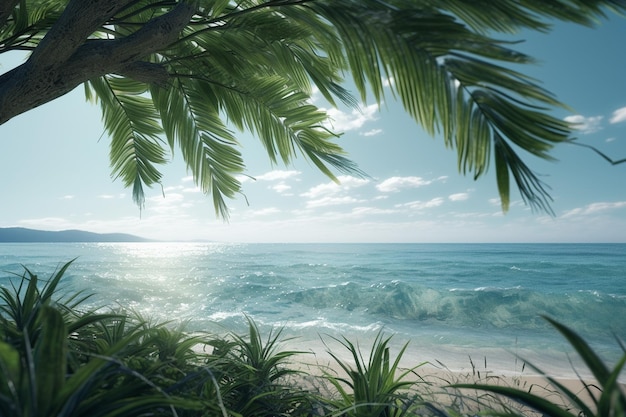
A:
<point x="133" y="123"/>
<point x="271" y="98"/>
<point x="28" y="24"/>
<point x="255" y="64"/>
<point x="445" y="76"/>
<point x="511" y="16"/>
<point x="192" y="124"/>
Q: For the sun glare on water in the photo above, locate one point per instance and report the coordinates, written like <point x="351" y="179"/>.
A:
<point x="165" y="280"/>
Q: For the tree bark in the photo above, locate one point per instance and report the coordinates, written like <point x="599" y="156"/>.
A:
<point x="79" y="19"/>
<point x="66" y="58"/>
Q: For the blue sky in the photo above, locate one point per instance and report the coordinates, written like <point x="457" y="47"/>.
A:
<point x="55" y="171"/>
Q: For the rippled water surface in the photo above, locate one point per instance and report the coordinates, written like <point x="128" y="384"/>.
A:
<point x="447" y="299"/>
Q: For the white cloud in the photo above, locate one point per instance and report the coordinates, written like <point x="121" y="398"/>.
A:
<point x="281" y="187"/>
<point x="618" y="116"/>
<point x="315" y="95"/>
<point x="331" y="201"/>
<point x="458" y="197"/>
<point x="172" y="188"/>
<point x="498" y="203"/>
<point x="67" y="197"/>
<point x="594" y="208"/>
<point x="365" y="211"/>
<point x="346" y="182"/>
<point x="584" y="124"/>
<point x="420" y="205"/>
<point x="105" y="196"/>
<point x="342" y="121"/>
<point x="170" y="198"/>
<point x="322" y="189"/>
<point x="372" y="132"/>
<point x="265" y="212"/>
<point x="170" y="204"/>
<point x="471" y="215"/>
<point x="47" y="223"/>
<point x="277" y="175"/>
<point x="388" y="82"/>
<point x="188" y="178"/>
<point x="244" y="178"/>
<point x="394" y="184"/>
<point x="435" y="202"/>
<point x="191" y="190"/>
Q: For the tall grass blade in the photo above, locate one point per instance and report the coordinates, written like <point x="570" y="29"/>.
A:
<point x="593" y="362"/>
<point x="611" y="402"/>
<point x="544" y="406"/>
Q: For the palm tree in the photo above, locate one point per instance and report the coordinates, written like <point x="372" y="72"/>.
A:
<point x="186" y="75"/>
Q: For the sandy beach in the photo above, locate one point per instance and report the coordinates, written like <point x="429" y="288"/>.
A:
<point x="433" y="380"/>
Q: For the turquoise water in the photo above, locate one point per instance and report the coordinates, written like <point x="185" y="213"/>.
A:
<point x="451" y="301"/>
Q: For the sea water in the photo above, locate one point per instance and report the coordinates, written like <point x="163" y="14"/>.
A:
<point x="455" y="304"/>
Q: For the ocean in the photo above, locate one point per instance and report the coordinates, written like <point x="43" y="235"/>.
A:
<point x="455" y="304"/>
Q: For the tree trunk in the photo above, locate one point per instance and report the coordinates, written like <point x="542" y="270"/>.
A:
<point x="66" y="57"/>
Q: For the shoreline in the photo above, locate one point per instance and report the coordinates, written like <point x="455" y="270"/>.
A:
<point x="434" y="380"/>
<point x="454" y="359"/>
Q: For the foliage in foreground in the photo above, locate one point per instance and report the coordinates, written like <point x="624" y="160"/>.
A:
<point x="374" y="388"/>
<point x="58" y="360"/>
<point x="607" y="398"/>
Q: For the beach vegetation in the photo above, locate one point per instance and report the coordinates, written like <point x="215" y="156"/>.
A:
<point x="59" y="359"/>
<point x="253" y="375"/>
<point x="376" y="386"/>
<point x="605" y="396"/>
<point x="52" y="363"/>
<point x="185" y="76"/>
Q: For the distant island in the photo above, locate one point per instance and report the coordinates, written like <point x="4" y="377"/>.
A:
<point x="23" y="235"/>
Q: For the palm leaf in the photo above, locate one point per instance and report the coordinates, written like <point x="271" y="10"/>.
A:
<point x="445" y="79"/>
<point x="254" y="65"/>
<point x="209" y="149"/>
<point x="133" y="123"/>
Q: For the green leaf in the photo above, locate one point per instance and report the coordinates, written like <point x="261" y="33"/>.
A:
<point x="591" y="359"/>
<point x="50" y="360"/>
<point x="134" y="126"/>
<point x="254" y="66"/>
<point x="612" y="401"/>
<point x="9" y="365"/>
<point x="536" y="402"/>
<point x="502" y="173"/>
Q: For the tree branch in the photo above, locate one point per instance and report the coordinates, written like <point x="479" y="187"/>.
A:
<point x="146" y="72"/>
<point x="79" y="19"/>
<point x="39" y="81"/>
<point x="157" y="33"/>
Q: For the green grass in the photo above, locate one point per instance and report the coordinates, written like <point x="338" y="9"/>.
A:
<point x="59" y="360"/>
